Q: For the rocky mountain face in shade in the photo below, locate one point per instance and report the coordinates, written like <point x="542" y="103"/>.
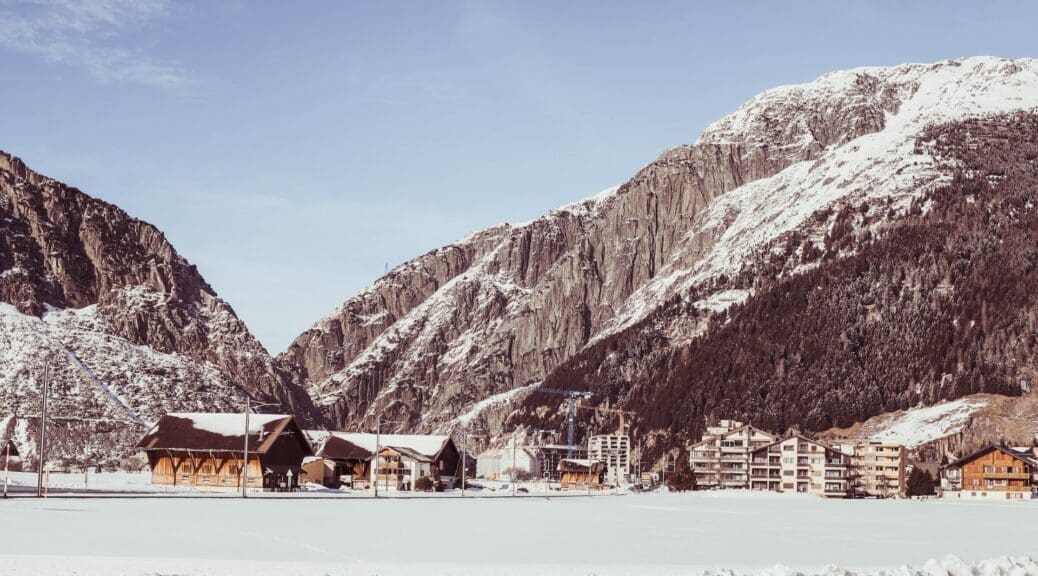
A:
<point x="460" y="336"/>
<point x="130" y="328"/>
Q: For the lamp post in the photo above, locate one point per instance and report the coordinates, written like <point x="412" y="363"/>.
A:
<point x="245" y="456"/>
<point x="378" y="448"/>
<point x="43" y="432"/>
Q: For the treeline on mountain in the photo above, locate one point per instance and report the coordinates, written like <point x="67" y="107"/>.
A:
<point x="896" y="309"/>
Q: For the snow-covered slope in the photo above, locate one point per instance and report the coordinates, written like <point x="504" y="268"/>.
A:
<point x="879" y="169"/>
<point x="130" y="329"/>
<point x="505" y="307"/>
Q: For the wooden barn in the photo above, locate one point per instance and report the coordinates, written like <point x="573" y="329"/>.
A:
<point x="206" y="451"/>
<point x="576" y="473"/>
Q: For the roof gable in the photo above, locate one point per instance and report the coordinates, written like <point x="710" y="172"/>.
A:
<point x="221" y="432"/>
<point x="1023" y="457"/>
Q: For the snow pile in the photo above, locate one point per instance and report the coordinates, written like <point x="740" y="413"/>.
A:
<point x="947" y="566"/>
<point x="921" y="425"/>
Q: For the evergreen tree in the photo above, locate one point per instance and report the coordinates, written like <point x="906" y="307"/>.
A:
<point x="920" y="483"/>
<point x="682" y="479"/>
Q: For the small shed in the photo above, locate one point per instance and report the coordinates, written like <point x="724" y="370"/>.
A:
<point x="575" y="473"/>
<point x="208" y="451"/>
<point x="488" y="464"/>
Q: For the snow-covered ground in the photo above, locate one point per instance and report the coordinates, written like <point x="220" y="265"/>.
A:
<point x="605" y="535"/>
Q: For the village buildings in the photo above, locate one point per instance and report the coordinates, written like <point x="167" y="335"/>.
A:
<point x="878" y="469"/>
<point x="722" y="458"/>
<point x="576" y="473"/>
<point x="798" y="464"/>
<point x="993" y="472"/>
<point x="614" y="450"/>
<point x="207" y="451"/>
<point x="346" y="459"/>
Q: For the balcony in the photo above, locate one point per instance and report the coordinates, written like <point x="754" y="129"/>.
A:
<point x="1006" y="475"/>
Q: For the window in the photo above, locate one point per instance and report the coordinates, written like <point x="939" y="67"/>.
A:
<point x="789" y="448"/>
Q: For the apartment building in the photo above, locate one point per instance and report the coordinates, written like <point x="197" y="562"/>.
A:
<point x="995" y="472"/>
<point x="877" y="469"/>
<point x="722" y="458"/>
<point x="798" y="464"/>
<point x="615" y="451"/>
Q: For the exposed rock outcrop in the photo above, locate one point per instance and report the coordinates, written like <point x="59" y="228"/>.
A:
<point x="505" y="307"/>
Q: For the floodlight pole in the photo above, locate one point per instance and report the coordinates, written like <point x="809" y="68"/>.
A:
<point x="7" y="461"/>
<point x="245" y="458"/>
<point x="589" y="463"/>
<point x="374" y="457"/>
<point x="513" y="464"/>
<point x="463" y="466"/>
<point x="43" y="432"/>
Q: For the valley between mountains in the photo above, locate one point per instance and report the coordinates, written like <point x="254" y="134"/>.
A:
<point x="827" y="257"/>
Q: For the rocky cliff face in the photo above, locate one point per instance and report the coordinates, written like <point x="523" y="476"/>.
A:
<point x="439" y="339"/>
<point x="130" y="328"/>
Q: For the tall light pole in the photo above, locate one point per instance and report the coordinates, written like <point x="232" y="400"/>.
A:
<point x="245" y="458"/>
<point x="464" y="465"/>
<point x="43" y="431"/>
<point x="7" y="461"/>
<point x="374" y="457"/>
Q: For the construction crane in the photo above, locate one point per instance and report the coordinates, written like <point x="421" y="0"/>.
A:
<point x="621" y="413"/>
<point x="571" y="408"/>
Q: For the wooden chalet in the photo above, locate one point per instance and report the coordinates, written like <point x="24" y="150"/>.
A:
<point x="402" y="459"/>
<point x="997" y="472"/>
<point x="576" y="473"/>
<point x="207" y="451"/>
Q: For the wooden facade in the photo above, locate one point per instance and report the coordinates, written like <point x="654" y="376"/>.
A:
<point x="202" y="451"/>
<point x="580" y="473"/>
<point x="997" y="469"/>
<point x="402" y="459"/>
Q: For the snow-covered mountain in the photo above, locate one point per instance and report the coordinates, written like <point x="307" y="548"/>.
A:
<point x="612" y="292"/>
<point x="831" y="251"/>
<point x="129" y="328"/>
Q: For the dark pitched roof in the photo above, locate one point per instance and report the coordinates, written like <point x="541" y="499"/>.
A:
<point x="337" y="448"/>
<point x="220" y="432"/>
<point x="580" y="465"/>
<point x="409" y="452"/>
<point x="10" y="450"/>
<point x="1023" y="457"/>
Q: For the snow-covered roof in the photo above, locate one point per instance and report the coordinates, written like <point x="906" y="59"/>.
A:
<point x="220" y="432"/>
<point x="424" y="444"/>
<point x="228" y="424"/>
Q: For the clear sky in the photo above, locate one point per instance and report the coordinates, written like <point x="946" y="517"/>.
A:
<point x="292" y="150"/>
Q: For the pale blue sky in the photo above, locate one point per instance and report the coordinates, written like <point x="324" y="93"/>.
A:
<point x="293" y="149"/>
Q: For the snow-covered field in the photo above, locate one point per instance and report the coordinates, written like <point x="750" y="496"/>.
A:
<point x="605" y="535"/>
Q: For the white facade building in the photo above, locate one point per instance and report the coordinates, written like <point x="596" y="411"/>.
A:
<point x="722" y="458"/>
<point x="615" y="451"/>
